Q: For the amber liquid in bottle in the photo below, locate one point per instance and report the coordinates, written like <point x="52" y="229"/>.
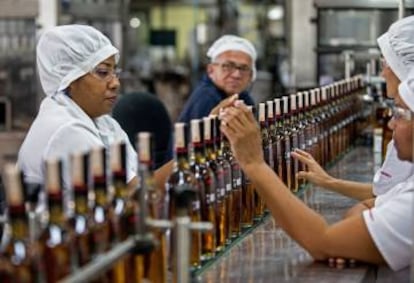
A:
<point x="240" y="200"/>
<point x="271" y="128"/>
<point x="233" y="213"/>
<point x="155" y="263"/>
<point x="102" y="213"/>
<point x="207" y="193"/>
<point x="280" y="142"/>
<point x="81" y="221"/>
<point x="58" y="237"/>
<point x="286" y="135"/>
<point x="125" y="211"/>
<point x="182" y="176"/>
<point x="314" y="126"/>
<point x="268" y="155"/>
<point x="247" y="202"/>
<point x="219" y="181"/>
<point x="301" y="133"/>
<point x="294" y="141"/>
<point x="19" y="258"/>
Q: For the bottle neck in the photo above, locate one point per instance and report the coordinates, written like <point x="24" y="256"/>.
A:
<point x="120" y="185"/>
<point x="100" y="189"/>
<point x="81" y="200"/>
<point x="199" y="153"/>
<point x="181" y="159"/>
<point x="18" y="222"/>
<point x="56" y="213"/>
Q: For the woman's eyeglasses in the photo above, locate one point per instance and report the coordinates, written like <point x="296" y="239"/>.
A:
<point x="106" y="75"/>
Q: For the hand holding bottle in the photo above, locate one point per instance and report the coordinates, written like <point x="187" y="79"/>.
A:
<point x="315" y="173"/>
<point x="242" y="130"/>
<point x="229" y="101"/>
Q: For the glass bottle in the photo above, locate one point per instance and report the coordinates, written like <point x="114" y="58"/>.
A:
<point x="125" y="211"/>
<point x="294" y="141"/>
<point x="302" y="124"/>
<point x="20" y="257"/>
<point x="233" y="196"/>
<point x="268" y="155"/>
<point x="154" y="263"/>
<point x="102" y="233"/>
<point x="208" y="194"/>
<point x="219" y="181"/>
<point x="271" y="129"/>
<point x="286" y="135"/>
<point x="57" y="237"/>
<point x="280" y="142"/>
<point x="81" y="220"/>
<point x="183" y="177"/>
<point x="236" y="177"/>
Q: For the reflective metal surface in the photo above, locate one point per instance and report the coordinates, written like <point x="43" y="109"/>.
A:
<point x="269" y="255"/>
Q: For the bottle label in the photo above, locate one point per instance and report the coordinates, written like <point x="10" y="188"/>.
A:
<point x="210" y="199"/>
<point x="228" y="188"/>
<point x="196" y="205"/>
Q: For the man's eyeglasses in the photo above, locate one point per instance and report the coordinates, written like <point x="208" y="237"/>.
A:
<point x="106" y="74"/>
<point x="230" y="67"/>
<point x="399" y="113"/>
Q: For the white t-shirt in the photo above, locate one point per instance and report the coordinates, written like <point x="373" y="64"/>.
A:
<point x="392" y="172"/>
<point x="390" y="224"/>
<point x="62" y="127"/>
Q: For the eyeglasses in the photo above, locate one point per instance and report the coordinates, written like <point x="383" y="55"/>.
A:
<point x="230" y="67"/>
<point x="399" y="113"/>
<point x="106" y="74"/>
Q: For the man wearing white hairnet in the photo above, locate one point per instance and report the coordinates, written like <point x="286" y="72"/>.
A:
<point x="397" y="47"/>
<point x="231" y="71"/>
<point x="77" y="70"/>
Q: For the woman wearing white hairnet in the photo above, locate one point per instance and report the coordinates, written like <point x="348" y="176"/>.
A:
<point x="381" y="233"/>
<point x="77" y="70"/>
<point x="397" y="47"/>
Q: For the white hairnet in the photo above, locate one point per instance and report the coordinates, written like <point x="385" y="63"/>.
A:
<point x="235" y="43"/>
<point x="397" y="46"/>
<point x="66" y="53"/>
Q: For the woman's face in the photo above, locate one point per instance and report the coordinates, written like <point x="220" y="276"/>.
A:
<point x="402" y="125"/>
<point x="96" y="92"/>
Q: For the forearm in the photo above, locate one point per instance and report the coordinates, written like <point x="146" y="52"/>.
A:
<point x="162" y="174"/>
<point x="300" y="222"/>
<point x="355" y="190"/>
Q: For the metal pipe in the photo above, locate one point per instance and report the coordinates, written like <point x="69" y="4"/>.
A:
<point x="103" y="262"/>
<point x="183" y="244"/>
<point x="401" y="9"/>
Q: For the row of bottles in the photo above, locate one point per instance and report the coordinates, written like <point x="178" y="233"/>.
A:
<point x="321" y="121"/>
<point x="73" y="232"/>
<point x="105" y="212"/>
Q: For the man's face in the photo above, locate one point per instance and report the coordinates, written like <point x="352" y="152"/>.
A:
<point x="96" y="92"/>
<point x="402" y="124"/>
<point x="231" y="71"/>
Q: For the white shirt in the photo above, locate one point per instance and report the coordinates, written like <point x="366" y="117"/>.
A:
<point x="62" y="127"/>
<point x="392" y="172"/>
<point x="390" y="224"/>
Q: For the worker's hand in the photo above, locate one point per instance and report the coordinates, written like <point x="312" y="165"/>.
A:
<point x="229" y="101"/>
<point x="241" y="128"/>
<point x="315" y="173"/>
